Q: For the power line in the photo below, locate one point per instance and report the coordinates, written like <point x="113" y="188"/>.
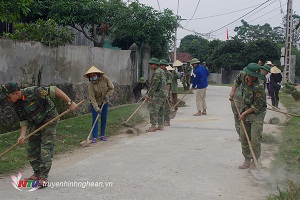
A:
<point x="195" y="9"/>
<point x="240" y="17"/>
<point x="224" y="13"/>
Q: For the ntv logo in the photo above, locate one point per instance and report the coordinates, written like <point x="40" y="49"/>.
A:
<point x="18" y="183"/>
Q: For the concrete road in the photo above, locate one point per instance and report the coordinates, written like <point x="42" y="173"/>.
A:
<point x="194" y="158"/>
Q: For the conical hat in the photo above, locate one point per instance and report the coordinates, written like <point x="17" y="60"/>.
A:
<point x="275" y="70"/>
<point x="92" y="70"/>
<point x="170" y="68"/>
<point x="177" y="63"/>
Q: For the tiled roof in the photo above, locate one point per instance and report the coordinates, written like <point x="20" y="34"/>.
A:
<point x="183" y="57"/>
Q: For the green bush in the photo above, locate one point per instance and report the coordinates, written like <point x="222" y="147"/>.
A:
<point x="47" y="32"/>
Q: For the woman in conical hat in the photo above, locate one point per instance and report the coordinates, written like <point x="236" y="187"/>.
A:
<point x="274" y="85"/>
<point x="100" y="89"/>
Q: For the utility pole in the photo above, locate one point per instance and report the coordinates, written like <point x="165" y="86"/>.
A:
<point x="288" y="42"/>
<point x="175" y="46"/>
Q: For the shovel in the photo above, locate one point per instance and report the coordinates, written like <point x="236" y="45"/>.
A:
<point x="124" y="124"/>
<point x="88" y="141"/>
<point x="40" y="128"/>
<point x="256" y="173"/>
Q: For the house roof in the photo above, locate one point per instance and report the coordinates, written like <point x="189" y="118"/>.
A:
<point x="183" y="57"/>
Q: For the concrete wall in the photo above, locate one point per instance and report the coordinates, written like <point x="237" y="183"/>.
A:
<point x="31" y="63"/>
<point x="34" y="63"/>
<point x="215" y="78"/>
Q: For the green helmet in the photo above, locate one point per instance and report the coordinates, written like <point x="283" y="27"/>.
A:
<point x="163" y="62"/>
<point x="253" y="69"/>
<point x="142" y="80"/>
<point x="195" y="61"/>
<point x="154" y="61"/>
<point x="266" y="67"/>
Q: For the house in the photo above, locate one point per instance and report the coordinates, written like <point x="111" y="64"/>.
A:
<point x="181" y="56"/>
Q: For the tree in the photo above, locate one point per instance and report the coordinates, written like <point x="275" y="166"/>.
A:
<point x="247" y="32"/>
<point x="143" y="24"/>
<point x="11" y="10"/>
<point x="230" y="55"/>
<point x="94" y="18"/>
<point x="195" y="45"/>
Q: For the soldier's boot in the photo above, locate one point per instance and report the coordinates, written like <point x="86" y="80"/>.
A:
<point x="151" y="129"/>
<point x="245" y="165"/>
<point x="43" y="183"/>
<point x="166" y="123"/>
<point x="160" y="128"/>
<point x="33" y="177"/>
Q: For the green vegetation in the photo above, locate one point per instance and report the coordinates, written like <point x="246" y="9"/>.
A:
<point x="182" y="91"/>
<point x="46" y="32"/>
<point x="269" y="139"/>
<point x="69" y="134"/>
<point x="288" y="156"/>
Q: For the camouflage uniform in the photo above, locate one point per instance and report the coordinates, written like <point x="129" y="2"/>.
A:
<point x="254" y="97"/>
<point x="158" y="94"/>
<point x="186" y="79"/>
<point x="238" y="97"/>
<point x="168" y="104"/>
<point x="34" y="110"/>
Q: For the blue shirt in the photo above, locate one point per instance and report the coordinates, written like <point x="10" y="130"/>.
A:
<point x="200" y="77"/>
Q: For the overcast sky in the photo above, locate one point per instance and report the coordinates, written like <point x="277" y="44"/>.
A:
<point x="205" y="17"/>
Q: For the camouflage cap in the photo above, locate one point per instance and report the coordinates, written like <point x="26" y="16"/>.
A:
<point x="8" y="88"/>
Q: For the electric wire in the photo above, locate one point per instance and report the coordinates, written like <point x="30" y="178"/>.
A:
<point x="224" y="13"/>
<point x="239" y="17"/>
<point x="195" y="10"/>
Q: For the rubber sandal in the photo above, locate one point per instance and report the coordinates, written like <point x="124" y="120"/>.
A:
<point x="197" y="114"/>
<point x="103" y="138"/>
<point x="94" y="140"/>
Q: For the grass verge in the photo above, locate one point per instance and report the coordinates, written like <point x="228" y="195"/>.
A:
<point x="288" y="157"/>
<point x="69" y="134"/>
<point x="182" y="91"/>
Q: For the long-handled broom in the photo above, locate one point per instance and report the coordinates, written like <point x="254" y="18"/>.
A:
<point x="88" y="140"/>
<point x="255" y="173"/>
<point x="40" y="128"/>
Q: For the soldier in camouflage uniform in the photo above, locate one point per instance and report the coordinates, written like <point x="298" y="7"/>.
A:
<point x="252" y="111"/>
<point x="34" y="109"/>
<point x="168" y="76"/>
<point x="186" y="79"/>
<point x="157" y="94"/>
